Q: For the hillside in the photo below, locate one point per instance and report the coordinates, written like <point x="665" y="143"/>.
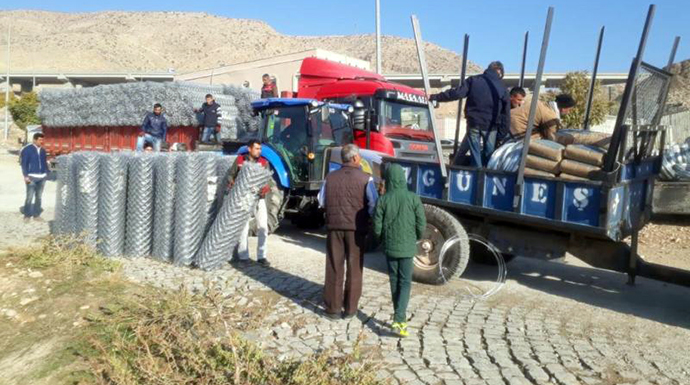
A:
<point x="680" y="87"/>
<point x="156" y="41"/>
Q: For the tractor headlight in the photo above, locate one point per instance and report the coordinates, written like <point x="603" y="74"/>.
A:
<point x="314" y="103"/>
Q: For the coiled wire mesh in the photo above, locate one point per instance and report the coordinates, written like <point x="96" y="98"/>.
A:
<point x="112" y="205"/>
<point x="140" y="201"/>
<point x="225" y="231"/>
<point x="66" y="197"/>
<point x="87" y="177"/>
<point x="163" y="219"/>
<point x="190" y="207"/>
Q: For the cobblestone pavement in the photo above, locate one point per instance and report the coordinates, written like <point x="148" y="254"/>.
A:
<point x="552" y="323"/>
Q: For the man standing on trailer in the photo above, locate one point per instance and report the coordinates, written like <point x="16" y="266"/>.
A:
<point x="154" y="129"/>
<point x="35" y="170"/>
<point x="487" y="110"/>
<point x="349" y="197"/>
<point x="269" y="88"/>
<point x="261" y="214"/>
<point x="546" y="120"/>
<point x="211" y="113"/>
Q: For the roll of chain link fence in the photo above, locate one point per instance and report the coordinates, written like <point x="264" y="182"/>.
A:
<point x="87" y="181"/>
<point x="112" y="205"/>
<point x="140" y="201"/>
<point x="190" y="207"/>
<point x="233" y="215"/>
<point x="66" y="197"/>
<point x="163" y="219"/>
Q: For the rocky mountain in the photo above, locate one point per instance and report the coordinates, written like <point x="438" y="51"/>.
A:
<point x="157" y="41"/>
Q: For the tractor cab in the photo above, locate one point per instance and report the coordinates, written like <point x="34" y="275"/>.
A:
<point x="299" y="131"/>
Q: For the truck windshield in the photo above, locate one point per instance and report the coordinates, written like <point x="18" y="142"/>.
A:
<point x="405" y="121"/>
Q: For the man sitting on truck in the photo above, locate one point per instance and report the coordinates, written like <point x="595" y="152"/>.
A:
<point x="546" y="120"/>
<point x="487" y="110"/>
<point x="211" y="112"/>
<point x="154" y="129"/>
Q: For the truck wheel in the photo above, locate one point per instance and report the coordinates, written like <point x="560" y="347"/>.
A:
<point x="275" y="208"/>
<point x="440" y="226"/>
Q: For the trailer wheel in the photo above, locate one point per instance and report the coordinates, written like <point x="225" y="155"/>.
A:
<point x="275" y="207"/>
<point x="440" y="226"/>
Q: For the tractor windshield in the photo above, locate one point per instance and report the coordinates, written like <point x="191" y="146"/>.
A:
<point x="405" y="121"/>
<point x="295" y="132"/>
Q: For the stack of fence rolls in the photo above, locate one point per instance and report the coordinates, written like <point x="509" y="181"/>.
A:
<point x="543" y="158"/>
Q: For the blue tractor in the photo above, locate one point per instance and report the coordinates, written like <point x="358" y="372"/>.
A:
<point x="301" y="139"/>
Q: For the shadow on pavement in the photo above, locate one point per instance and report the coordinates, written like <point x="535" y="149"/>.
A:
<point x="653" y="300"/>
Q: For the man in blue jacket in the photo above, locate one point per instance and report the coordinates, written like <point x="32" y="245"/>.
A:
<point x="35" y="171"/>
<point x="487" y="110"/>
<point x="154" y="129"/>
<point x="211" y="114"/>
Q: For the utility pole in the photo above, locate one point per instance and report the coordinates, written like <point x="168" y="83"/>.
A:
<point x="7" y="79"/>
<point x="378" y="37"/>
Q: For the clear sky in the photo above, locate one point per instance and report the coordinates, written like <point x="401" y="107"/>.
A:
<point x="496" y="28"/>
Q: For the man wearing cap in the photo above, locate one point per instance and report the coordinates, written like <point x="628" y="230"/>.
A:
<point x="546" y="120"/>
<point x="487" y="110"/>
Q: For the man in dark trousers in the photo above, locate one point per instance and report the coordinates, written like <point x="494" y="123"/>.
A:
<point x="35" y="171"/>
<point x="154" y="129"/>
<point x="349" y="197"/>
<point x="211" y="113"/>
<point x="487" y="110"/>
<point x="269" y="88"/>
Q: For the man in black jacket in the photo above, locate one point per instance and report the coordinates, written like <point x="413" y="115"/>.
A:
<point x="211" y="113"/>
<point x="487" y="110"/>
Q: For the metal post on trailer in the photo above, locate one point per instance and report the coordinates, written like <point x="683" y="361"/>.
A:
<point x="463" y="72"/>
<point x="425" y="76"/>
<point x="521" y="82"/>
<point x="519" y="184"/>
<point x="672" y="57"/>
<point x="592" y="84"/>
<point x="610" y="160"/>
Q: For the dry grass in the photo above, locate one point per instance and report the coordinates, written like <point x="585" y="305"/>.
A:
<point x="180" y="338"/>
<point x="133" y="334"/>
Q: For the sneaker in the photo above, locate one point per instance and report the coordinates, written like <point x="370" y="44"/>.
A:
<point x="263" y="261"/>
<point x="400" y="328"/>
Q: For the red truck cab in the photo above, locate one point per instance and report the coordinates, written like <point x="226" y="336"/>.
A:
<point x="396" y="119"/>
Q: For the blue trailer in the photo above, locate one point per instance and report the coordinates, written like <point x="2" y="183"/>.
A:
<point x="544" y="217"/>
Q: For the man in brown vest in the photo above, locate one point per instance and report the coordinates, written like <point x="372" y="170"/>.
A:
<point x="349" y="197"/>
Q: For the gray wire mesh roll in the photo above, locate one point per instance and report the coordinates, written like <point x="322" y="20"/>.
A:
<point x="112" y="205"/>
<point x="190" y="207"/>
<point x="234" y="214"/>
<point x="163" y="218"/>
<point x="211" y="188"/>
<point x="65" y="200"/>
<point x="87" y="177"/>
<point x="140" y="200"/>
<point x="224" y="165"/>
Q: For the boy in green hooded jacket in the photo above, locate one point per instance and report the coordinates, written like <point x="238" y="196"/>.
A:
<point x="399" y="222"/>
